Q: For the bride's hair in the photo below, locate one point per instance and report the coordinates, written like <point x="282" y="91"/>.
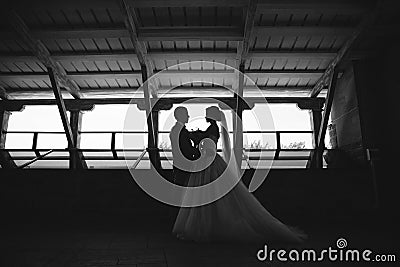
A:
<point x="213" y="113"/>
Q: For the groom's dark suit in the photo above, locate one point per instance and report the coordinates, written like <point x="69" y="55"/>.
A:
<point x="180" y="140"/>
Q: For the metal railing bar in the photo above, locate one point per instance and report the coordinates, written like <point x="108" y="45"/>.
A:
<point x="92" y="150"/>
<point x="147" y="158"/>
<point x="35" y="159"/>
<point x="139" y="159"/>
<point x="246" y="158"/>
<point x="139" y="132"/>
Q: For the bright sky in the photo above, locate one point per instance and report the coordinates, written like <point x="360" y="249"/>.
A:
<point x="282" y="117"/>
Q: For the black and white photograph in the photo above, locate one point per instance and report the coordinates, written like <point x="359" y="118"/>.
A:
<point x="199" y="133"/>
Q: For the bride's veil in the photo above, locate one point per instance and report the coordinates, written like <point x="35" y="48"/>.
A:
<point x="226" y="144"/>
<point x="227" y="151"/>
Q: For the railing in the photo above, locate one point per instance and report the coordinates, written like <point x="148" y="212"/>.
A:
<point x="117" y="153"/>
<point x="113" y="134"/>
<point x="35" y="159"/>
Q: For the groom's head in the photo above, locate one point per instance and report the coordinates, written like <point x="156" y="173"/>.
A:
<point x="181" y="114"/>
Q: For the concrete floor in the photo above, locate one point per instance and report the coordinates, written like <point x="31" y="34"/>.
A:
<point x="118" y="241"/>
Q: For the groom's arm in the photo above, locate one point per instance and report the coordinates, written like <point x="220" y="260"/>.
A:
<point x="186" y="146"/>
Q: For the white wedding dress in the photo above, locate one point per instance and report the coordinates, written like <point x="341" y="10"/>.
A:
<point x="236" y="216"/>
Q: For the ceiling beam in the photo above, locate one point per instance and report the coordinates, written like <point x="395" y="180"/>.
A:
<point x="196" y="33"/>
<point x="173" y="55"/>
<point x="215" y="33"/>
<point x="205" y="75"/>
<point x="344" y="51"/>
<point x="17" y="103"/>
<point x="312" y="7"/>
<point x="267" y="31"/>
<point x="345" y="7"/>
<point x="187" y="90"/>
<point x="131" y="23"/>
<point x="41" y="52"/>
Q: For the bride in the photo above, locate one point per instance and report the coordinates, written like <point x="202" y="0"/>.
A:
<point x="236" y="216"/>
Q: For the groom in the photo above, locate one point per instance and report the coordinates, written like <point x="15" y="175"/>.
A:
<point x="182" y="148"/>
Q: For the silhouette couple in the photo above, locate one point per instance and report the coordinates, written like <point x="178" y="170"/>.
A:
<point x="237" y="215"/>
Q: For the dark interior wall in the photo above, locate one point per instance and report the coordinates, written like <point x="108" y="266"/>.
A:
<point x="377" y="80"/>
<point x="288" y="194"/>
<point x="345" y="120"/>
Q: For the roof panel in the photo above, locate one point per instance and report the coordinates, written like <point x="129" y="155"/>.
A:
<point x="116" y="16"/>
<point x="279" y="64"/>
<point x="43" y="16"/>
<point x="293" y="82"/>
<point x="208" y="16"/>
<point x="283" y="82"/>
<point x="113" y="65"/>
<point x="122" y="83"/>
<point x="146" y="16"/>
<point x="79" y="66"/>
<point x="177" y="15"/>
<point x="58" y="18"/>
<point x="312" y="19"/>
<point x="89" y="44"/>
<point x="266" y="20"/>
<point x="64" y="45"/>
<point x="3" y="68"/>
<point x="275" y="42"/>
<point x="51" y="45"/>
<point x="126" y="43"/>
<point x="102" y="44"/>
<point x="23" y="67"/>
<point x="298" y="19"/>
<point x="291" y="63"/>
<point x="34" y="66"/>
<point x="194" y="45"/>
<point x="76" y="44"/>
<point x="181" y="45"/>
<point x="90" y="65"/>
<point x="111" y="83"/>
<point x="101" y="15"/>
<point x="73" y="17"/>
<point x="114" y="44"/>
<point x="223" y="16"/>
<point x="314" y="42"/>
<point x="87" y="16"/>
<point x="288" y="42"/>
<point x="327" y="42"/>
<point x="162" y="17"/>
<point x="207" y="45"/>
<point x="193" y="16"/>
<point x="124" y="65"/>
<point x="167" y="45"/>
<point x="301" y="42"/>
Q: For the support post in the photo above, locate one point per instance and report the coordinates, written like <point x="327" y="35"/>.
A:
<point x="71" y="133"/>
<point x="5" y="158"/>
<point x="242" y="54"/>
<point x="152" y="122"/>
<point x="316" y="118"/>
<point x="319" y="149"/>
<point x="237" y="123"/>
<point x="61" y="108"/>
<point x="77" y="160"/>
